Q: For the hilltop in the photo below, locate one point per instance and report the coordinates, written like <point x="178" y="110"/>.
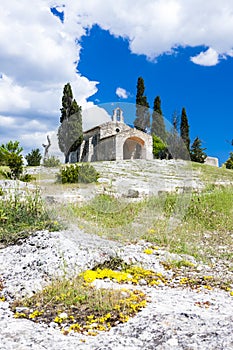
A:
<point x="170" y="219"/>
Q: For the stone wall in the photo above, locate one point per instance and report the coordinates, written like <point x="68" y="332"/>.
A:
<point x="113" y="141"/>
<point x="212" y="161"/>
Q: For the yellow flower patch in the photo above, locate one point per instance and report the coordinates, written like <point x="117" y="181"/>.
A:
<point x="148" y="251"/>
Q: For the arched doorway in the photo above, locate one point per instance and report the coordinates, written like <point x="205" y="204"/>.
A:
<point x="133" y="148"/>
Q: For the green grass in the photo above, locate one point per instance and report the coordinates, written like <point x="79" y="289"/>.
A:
<point x="206" y="226"/>
<point x="107" y="211"/>
<point x="195" y="224"/>
<point x="74" y="304"/>
<point x="211" y="174"/>
<point x="20" y="215"/>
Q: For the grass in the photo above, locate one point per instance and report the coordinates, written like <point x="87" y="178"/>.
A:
<point x="211" y="174"/>
<point x="107" y="211"/>
<point x="21" y="214"/>
<point x="76" y="305"/>
<point x="206" y="228"/>
<point x="197" y="224"/>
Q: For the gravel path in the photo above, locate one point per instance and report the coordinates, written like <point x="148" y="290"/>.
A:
<point x="175" y="318"/>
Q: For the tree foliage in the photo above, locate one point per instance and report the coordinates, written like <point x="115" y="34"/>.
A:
<point x="184" y="129"/>
<point x="10" y="154"/>
<point x="34" y="157"/>
<point x="158" y="126"/>
<point x="197" y="153"/>
<point x="159" y="147"/>
<point x="142" y="120"/>
<point x="70" y="132"/>
<point x="229" y="162"/>
<point x="67" y="100"/>
<point x="76" y="173"/>
<point x="51" y="162"/>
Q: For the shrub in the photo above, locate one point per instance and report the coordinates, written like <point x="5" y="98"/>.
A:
<point x="51" y="162"/>
<point x="75" y="173"/>
<point x="22" y="213"/>
<point x="197" y="153"/>
<point x="27" y="177"/>
<point x="33" y="158"/>
<point x="229" y="162"/>
<point x="10" y="155"/>
<point x="159" y="147"/>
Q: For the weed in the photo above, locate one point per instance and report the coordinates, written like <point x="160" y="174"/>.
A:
<point x="75" y="173"/>
<point x="21" y="214"/>
<point x="76" y="305"/>
<point x="51" y="162"/>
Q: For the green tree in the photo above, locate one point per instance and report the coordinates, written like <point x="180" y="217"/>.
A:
<point x="10" y="153"/>
<point x="70" y="132"/>
<point x="34" y="157"/>
<point x="158" y="126"/>
<point x="67" y="100"/>
<point x="142" y="120"/>
<point x="184" y="129"/>
<point x="197" y="153"/>
<point x="159" y="147"/>
<point x="229" y="162"/>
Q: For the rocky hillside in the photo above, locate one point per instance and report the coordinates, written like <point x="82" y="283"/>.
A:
<point x="191" y="309"/>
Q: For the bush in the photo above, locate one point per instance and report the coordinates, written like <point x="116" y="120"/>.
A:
<point x="229" y="162"/>
<point x="10" y="155"/>
<point x="75" y="173"/>
<point x="33" y="158"/>
<point x="51" y="162"/>
<point x="159" y="147"/>
<point x="27" y="177"/>
<point x="22" y="213"/>
<point x="197" y="153"/>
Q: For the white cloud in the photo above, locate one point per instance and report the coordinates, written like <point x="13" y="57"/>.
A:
<point x="154" y="27"/>
<point x="39" y="53"/>
<point x="122" y="93"/>
<point x="94" y="116"/>
<point x="207" y="58"/>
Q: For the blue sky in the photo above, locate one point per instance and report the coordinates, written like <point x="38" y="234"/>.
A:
<point x="205" y="92"/>
<point x="183" y="50"/>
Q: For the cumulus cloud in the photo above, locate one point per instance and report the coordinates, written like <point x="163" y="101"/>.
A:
<point x="94" y="116"/>
<point x="122" y="93"/>
<point x="39" y="52"/>
<point x="207" y="58"/>
<point x="154" y="27"/>
<point x="38" y="55"/>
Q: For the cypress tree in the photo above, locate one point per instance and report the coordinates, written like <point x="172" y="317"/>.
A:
<point x="67" y="100"/>
<point x="70" y="132"/>
<point x="142" y="120"/>
<point x="184" y="129"/>
<point x="158" y="126"/>
<point x="197" y="153"/>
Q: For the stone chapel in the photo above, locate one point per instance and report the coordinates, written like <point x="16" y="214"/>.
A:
<point x="114" y="140"/>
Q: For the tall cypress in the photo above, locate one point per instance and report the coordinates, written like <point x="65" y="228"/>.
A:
<point x="158" y="126"/>
<point x="67" y="100"/>
<point x="70" y="132"/>
<point x="142" y="120"/>
<point x="184" y="129"/>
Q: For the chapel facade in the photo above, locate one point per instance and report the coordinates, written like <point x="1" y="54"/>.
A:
<point x="114" y="140"/>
